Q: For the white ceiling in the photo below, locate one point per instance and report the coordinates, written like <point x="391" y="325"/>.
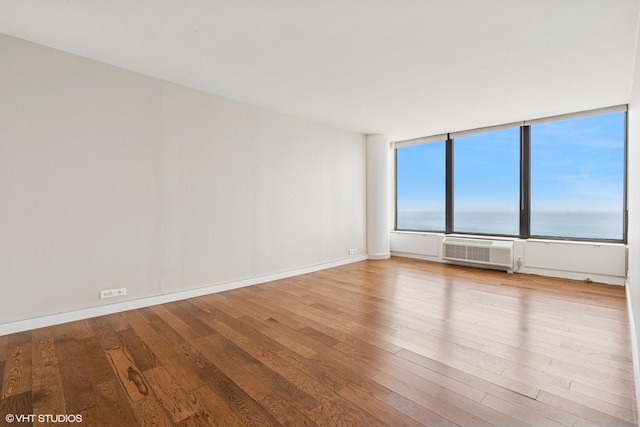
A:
<point x="405" y="68"/>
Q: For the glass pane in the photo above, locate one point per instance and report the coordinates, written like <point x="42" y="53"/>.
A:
<point x="487" y="183"/>
<point x="577" y="177"/>
<point x="420" y="187"/>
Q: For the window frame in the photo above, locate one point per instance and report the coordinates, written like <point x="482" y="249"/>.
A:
<point x="525" y="177"/>
<point x="482" y="131"/>
<point x="395" y="166"/>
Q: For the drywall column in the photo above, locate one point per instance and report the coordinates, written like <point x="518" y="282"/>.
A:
<point x="378" y="197"/>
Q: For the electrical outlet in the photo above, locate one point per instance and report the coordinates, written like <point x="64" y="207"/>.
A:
<point x="353" y="251"/>
<point x="113" y="293"/>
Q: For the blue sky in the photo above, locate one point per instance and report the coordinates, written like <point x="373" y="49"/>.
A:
<point x="487" y="172"/>
<point x="576" y="165"/>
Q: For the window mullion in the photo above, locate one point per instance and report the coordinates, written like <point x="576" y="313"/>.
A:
<point x="449" y="186"/>
<point x="525" y="182"/>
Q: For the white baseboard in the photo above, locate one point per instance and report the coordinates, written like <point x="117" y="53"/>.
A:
<point x="87" y="313"/>
<point x="634" y="348"/>
<point x="598" y="278"/>
<point x="385" y="255"/>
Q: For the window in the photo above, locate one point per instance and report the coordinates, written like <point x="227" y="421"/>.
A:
<point x="558" y="178"/>
<point x="420" y="188"/>
<point x="487" y="183"/>
<point x="577" y="177"/>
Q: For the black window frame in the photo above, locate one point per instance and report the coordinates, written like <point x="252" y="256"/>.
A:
<point x="395" y="193"/>
<point x="525" y="186"/>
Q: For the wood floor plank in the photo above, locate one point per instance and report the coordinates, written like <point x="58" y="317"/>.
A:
<point x="616" y="354"/>
<point x="283" y="400"/>
<point x="128" y="374"/>
<point x="2" y="364"/>
<point x="94" y="414"/>
<point x="364" y="400"/>
<point x="326" y="374"/>
<point x="171" y="321"/>
<point x="220" y="301"/>
<point x="104" y="333"/>
<point x="339" y="412"/>
<point x="599" y="376"/>
<point x="213" y="410"/>
<point x="517" y="355"/>
<point x="264" y="350"/>
<point x="150" y="412"/>
<point x="583" y="411"/>
<point x="18" y="405"/>
<point x="389" y="342"/>
<point x="517" y="386"/>
<point x="98" y="367"/>
<point x="441" y="407"/>
<point x="47" y="391"/>
<point x="140" y="353"/>
<point x="504" y="390"/>
<point x="259" y="373"/>
<point x="4" y="343"/>
<point x="250" y="412"/>
<point x="338" y="330"/>
<point x="168" y="334"/>
<point x="148" y="314"/>
<point x="320" y="348"/>
<point x="79" y="393"/>
<point x="627" y="402"/>
<point x="181" y="374"/>
<point x="168" y="357"/>
<point x="269" y="308"/>
<point x="584" y="358"/>
<point x="117" y="322"/>
<point x="173" y="398"/>
<point x="521" y="413"/>
<point x="182" y="310"/>
<point x="17" y="376"/>
<point x="82" y="329"/>
<point x="439" y="385"/>
<point x="593" y="403"/>
<point x="321" y="316"/>
<point x="536" y="376"/>
<point x="113" y="406"/>
<point x="272" y="329"/>
<point x="19" y="339"/>
<point x="417" y="412"/>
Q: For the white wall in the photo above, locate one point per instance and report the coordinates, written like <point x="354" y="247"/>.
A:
<point x="111" y="179"/>
<point x="598" y="262"/>
<point x="633" y="279"/>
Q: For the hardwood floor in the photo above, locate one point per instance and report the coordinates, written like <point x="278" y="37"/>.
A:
<point x="394" y="342"/>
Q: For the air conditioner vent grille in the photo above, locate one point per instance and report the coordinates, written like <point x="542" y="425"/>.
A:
<point x="486" y="252"/>
<point x="467" y="253"/>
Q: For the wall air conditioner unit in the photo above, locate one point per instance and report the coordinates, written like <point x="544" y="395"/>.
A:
<point x="490" y="253"/>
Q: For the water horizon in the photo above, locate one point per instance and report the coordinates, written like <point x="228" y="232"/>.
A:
<point x="567" y="224"/>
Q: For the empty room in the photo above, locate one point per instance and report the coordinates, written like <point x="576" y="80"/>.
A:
<point x="319" y="213"/>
